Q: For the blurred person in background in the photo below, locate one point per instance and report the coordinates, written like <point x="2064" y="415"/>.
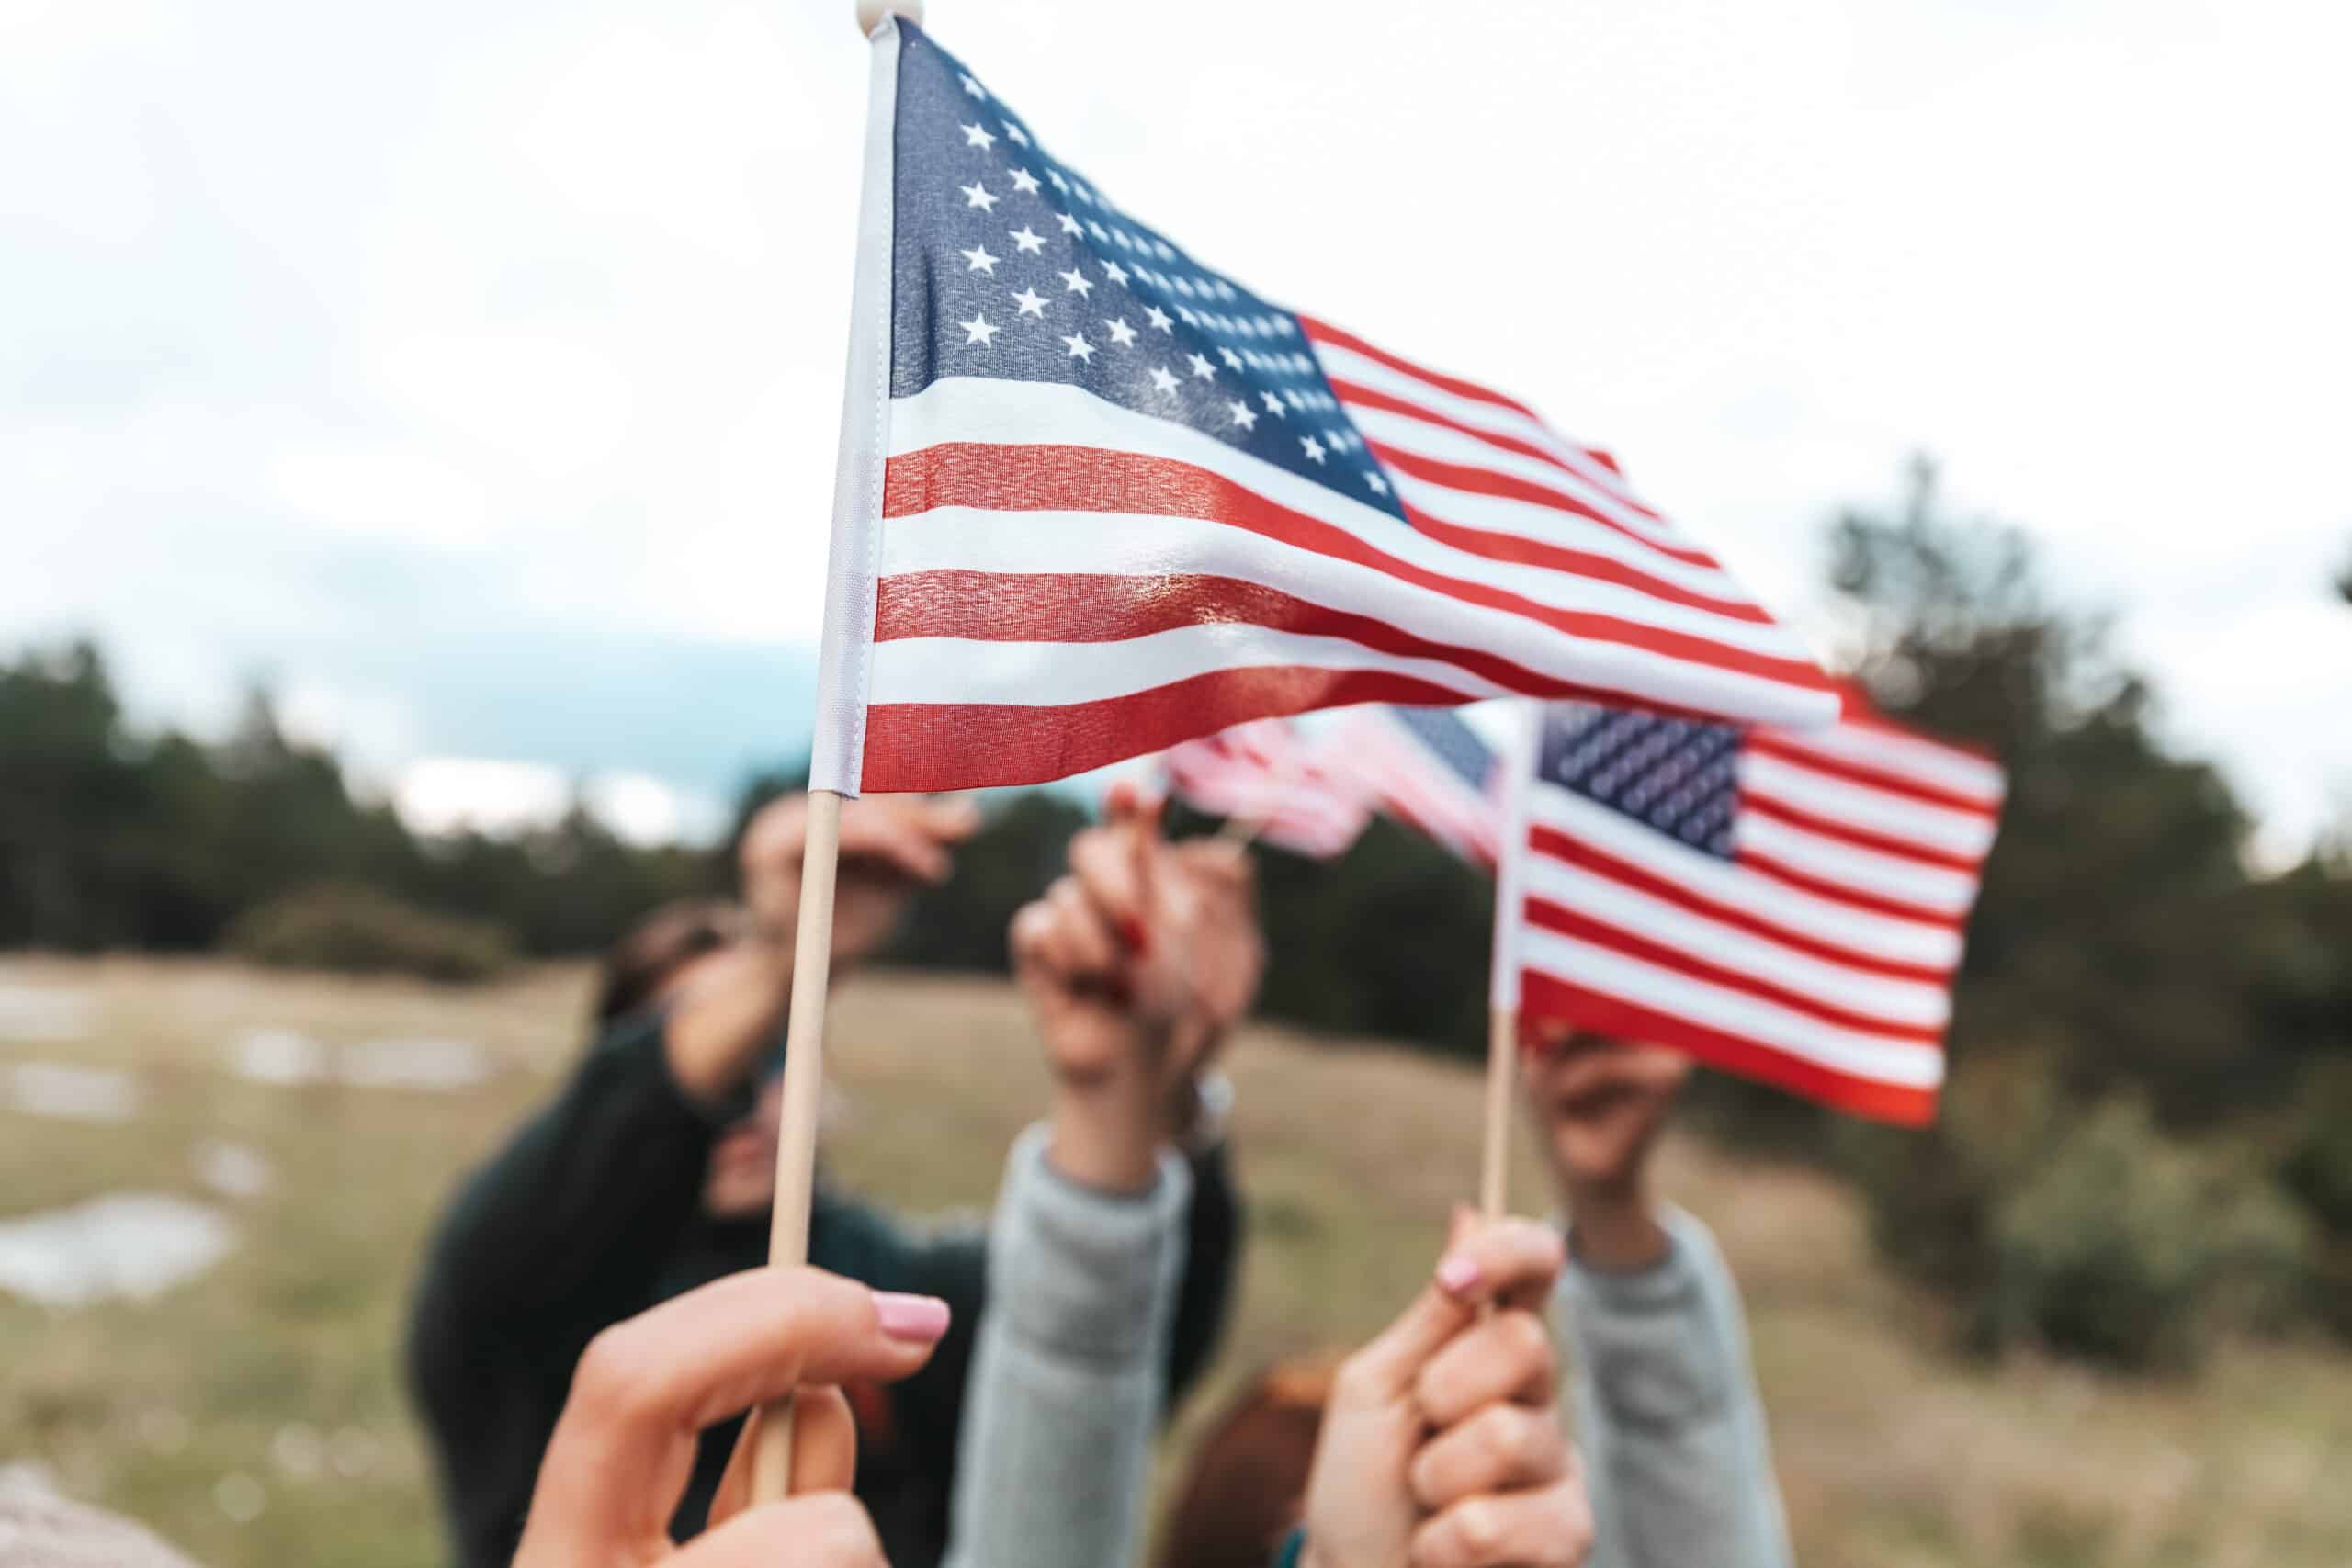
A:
<point x="652" y="1170"/>
<point x="1676" y="1452"/>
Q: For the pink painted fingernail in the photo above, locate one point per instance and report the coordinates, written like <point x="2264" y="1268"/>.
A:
<point x="1458" y="1274"/>
<point x="918" y="1320"/>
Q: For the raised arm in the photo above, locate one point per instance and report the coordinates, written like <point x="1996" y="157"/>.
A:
<point x="1135" y="965"/>
<point x="1673" y="1430"/>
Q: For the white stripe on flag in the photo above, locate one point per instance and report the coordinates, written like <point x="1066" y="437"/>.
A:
<point x="1908" y="882"/>
<point x="1865" y="933"/>
<point x="1608" y="973"/>
<point x="1870" y="810"/>
<point x="1896" y="1003"/>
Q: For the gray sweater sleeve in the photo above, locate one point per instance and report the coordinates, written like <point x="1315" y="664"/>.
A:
<point x="1069" y="1375"/>
<point x="1676" y="1455"/>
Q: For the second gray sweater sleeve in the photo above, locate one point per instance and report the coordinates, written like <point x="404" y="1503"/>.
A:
<point x="1067" y="1378"/>
<point x="1675" y="1454"/>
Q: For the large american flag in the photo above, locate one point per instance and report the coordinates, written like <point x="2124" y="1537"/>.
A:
<point x="1096" y="498"/>
<point x="1785" y="905"/>
<point x="1266" y="774"/>
<point x="1427" y="768"/>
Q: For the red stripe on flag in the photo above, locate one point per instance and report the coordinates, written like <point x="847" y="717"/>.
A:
<point x="1845" y="893"/>
<point x="1860" y="838"/>
<point x="1545" y="998"/>
<point x="1085" y="478"/>
<point x="1523" y="549"/>
<point x="1555" y="845"/>
<point x="1770" y="743"/>
<point x="1583" y="927"/>
<point x="1324" y="331"/>
<point x="1509" y="487"/>
<point x="935" y="746"/>
<point x="1076" y="607"/>
<point x="1356" y="395"/>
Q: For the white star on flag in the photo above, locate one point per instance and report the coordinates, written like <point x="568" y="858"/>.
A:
<point x="1031" y="303"/>
<point x="978" y="331"/>
<point x="1019" y="137"/>
<point x="1079" y="349"/>
<point x="1069" y="225"/>
<point x="1243" y="415"/>
<point x="1029" y="241"/>
<point x="1159" y="317"/>
<point x="973" y="88"/>
<point x="1024" y="182"/>
<point x="976" y="194"/>
<point x="1201" y="368"/>
<point x="1115" y="272"/>
<point x="1164" y="380"/>
<point x="978" y="136"/>
<point x="1273" y="405"/>
<point x="1312" y="448"/>
<point x="1121" y="334"/>
<point x="1074" y="282"/>
<point x="981" y="261"/>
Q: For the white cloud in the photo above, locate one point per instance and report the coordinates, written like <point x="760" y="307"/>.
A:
<point x="481" y="795"/>
<point x="398" y="495"/>
<point x="501" y="797"/>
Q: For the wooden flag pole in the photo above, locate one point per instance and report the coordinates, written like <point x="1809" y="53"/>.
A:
<point x="804" y="1087"/>
<point x="849" y="622"/>
<point x="1518" y="758"/>
<point x="1502" y="1043"/>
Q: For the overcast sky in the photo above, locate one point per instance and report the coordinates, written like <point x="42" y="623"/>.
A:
<point x="471" y="369"/>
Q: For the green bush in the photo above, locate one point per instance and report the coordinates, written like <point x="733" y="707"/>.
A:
<point x="2130" y="1247"/>
<point x="2087" y="1230"/>
<point x="2317" y="1169"/>
<point x="358" y="930"/>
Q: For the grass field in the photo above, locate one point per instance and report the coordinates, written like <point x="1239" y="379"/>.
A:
<point x="255" y="1416"/>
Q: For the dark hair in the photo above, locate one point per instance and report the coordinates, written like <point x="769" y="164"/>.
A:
<point x="649" y="952"/>
<point x="1248" y="1478"/>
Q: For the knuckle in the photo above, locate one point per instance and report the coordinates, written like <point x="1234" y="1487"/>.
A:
<point x="1031" y="925"/>
<point x="1569" y="1529"/>
<point x="615" y="1377"/>
<point x="1524" y="1339"/>
<point x="838" y="1533"/>
<point x="1506" y="1438"/>
<point x="1480" y="1524"/>
<point x="1354" y="1382"/>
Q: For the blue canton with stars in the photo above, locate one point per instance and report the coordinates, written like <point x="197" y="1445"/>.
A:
<point x="1451" y="739"/>
<point x="1009" y="265"/>
<point x="1673" y="775"/>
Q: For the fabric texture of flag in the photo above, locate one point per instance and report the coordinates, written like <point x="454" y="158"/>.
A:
<point x="1788" y="906"/>
<point x="1095" y="498"/>
<point x="1267" y="775"/>
<point x="1429" y="768"/>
